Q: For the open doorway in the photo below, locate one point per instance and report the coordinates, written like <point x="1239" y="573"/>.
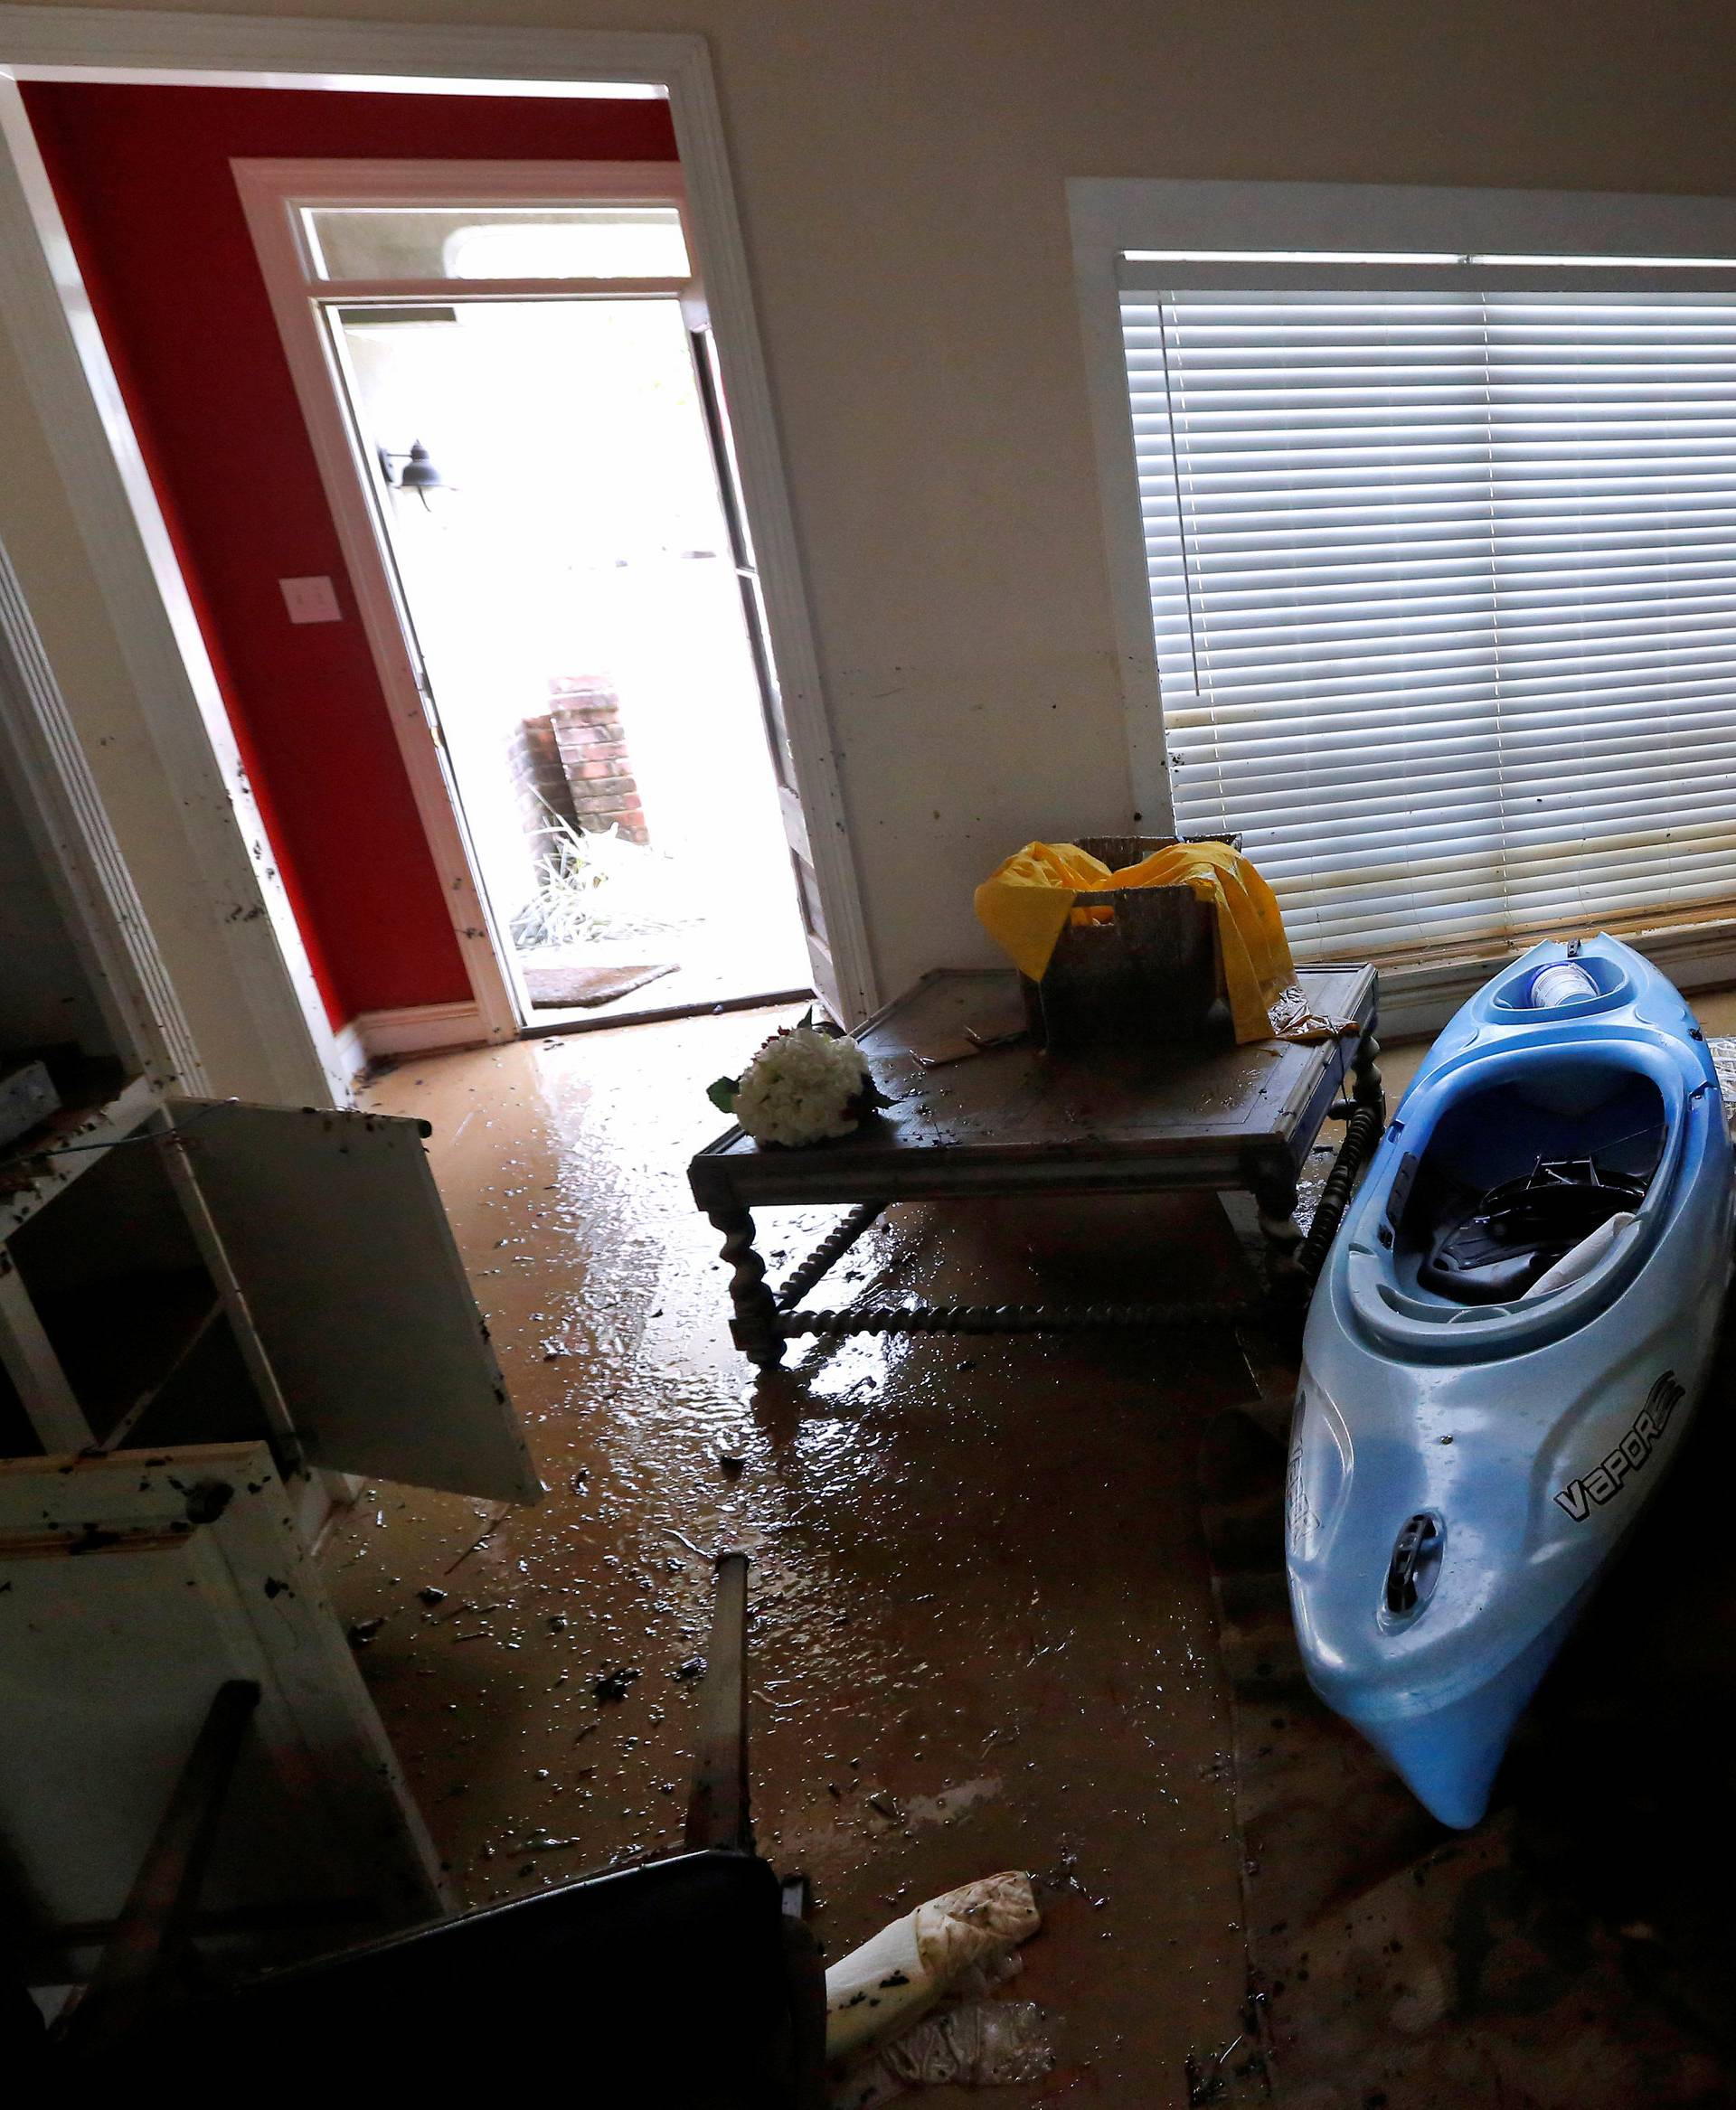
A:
<point x="345" y="889"/>
<point x="564" y="561"/>
<point x="526" y="405"/>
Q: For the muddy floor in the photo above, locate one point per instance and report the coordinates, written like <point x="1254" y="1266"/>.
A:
<point x="982" y="1634"/>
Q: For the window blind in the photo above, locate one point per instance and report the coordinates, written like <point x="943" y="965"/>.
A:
<point x="1444" y="593"/>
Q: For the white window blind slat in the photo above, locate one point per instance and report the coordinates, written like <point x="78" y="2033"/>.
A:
<point x="1443" y="587"/>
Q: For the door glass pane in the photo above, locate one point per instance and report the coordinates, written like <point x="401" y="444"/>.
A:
<point x="537" y="241"/>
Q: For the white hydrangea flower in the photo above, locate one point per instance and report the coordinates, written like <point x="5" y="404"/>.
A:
<point x="802" y="1086"/>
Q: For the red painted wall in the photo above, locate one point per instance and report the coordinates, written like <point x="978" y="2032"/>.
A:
<point x="143" y="178"/>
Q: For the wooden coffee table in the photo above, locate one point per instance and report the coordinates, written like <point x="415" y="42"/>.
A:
<point x="1015" y="1120"/>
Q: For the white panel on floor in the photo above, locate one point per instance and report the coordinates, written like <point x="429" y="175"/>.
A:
<point x="335" y="1231"/>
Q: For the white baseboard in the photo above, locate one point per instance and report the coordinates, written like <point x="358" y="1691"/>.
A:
<point x="352" y="1054"/>
<point x="414" y="1028"/>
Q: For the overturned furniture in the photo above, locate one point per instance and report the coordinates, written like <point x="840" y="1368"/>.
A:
<point x="690" y="1979"/>
<point x="131" y="1587"/>
<point x="177" y="1268"/>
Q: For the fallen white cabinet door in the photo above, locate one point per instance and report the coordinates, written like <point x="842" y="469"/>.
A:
<point x="333" y="1226"/>
<point x="131" y="1587"/>
<point x="211" y="1271"/>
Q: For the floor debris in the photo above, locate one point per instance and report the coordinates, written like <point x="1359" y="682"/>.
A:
<point x="476" y="1545"/>
<point x="907" y="1504"/>
<point x="973" y="2043"/>
<point x="875" y="1993"/>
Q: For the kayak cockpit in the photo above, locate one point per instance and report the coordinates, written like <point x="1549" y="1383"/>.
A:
<point x="1526" y="1181"/>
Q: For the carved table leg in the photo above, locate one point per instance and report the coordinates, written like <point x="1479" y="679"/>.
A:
<point x="754" y="1329"/>
<point x="1368" y="1090"/>
<point x="1275" y="1200"/>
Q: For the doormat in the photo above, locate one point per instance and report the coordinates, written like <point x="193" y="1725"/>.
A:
<point x="1578" y="1950"/>
<point x="566" y="988"/>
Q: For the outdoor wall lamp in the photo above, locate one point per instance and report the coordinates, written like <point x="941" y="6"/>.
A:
<point x="418" y="474"/>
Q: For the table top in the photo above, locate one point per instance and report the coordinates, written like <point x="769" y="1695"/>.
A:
<point x="1127" y="1117"/>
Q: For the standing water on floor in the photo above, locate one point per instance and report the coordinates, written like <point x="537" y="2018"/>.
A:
<point x="981" y="1633"/>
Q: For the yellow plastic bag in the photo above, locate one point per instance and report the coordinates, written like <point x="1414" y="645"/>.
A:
<point x="1025" y="903"/>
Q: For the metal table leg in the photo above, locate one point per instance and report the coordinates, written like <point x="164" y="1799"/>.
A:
<point x="718" y="1813"/>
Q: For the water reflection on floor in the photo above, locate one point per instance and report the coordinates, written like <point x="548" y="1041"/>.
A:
<point x="982" y="1632"/>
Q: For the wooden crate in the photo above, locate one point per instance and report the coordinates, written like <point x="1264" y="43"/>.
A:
<point x="1152" y="971"/>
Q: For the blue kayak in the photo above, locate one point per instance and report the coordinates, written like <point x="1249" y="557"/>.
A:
<point x="1510" y="1333"/>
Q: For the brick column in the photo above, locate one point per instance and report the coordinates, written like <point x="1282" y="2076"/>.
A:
<point x="586" y="715"/>
<point x="539" y="780"/>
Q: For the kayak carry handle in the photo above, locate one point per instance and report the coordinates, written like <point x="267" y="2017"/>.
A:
<point x="1411" y="1572"/>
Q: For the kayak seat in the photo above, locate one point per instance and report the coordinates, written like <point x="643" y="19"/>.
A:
<point x="1517" y="1173"/>
<point x="1516" y="1232"/>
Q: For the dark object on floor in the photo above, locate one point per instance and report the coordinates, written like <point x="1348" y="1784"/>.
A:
<point x="1142" y="1116"/>
<point x="1153" y="971"/>
<point x="573" y="988"/>
<point x="689" y="1980"/>
<point x="1576" y="1949"/>
<point x="27" y="1096"/>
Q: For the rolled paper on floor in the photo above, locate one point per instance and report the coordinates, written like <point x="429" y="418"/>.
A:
<point x="885" y="1984"/>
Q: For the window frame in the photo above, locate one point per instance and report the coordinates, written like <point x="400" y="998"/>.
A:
<point x="1369" y="227"/>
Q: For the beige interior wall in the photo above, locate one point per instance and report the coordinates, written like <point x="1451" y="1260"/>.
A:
<point x="899" y="166"/>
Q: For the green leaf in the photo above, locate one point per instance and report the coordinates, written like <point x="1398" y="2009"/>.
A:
<point x="804" y="1023"/>
<point x="722" y="1094"/>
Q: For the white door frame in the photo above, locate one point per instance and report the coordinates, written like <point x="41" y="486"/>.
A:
<point x="47" y="311"/>
<point x="58" y="795"/>
<point x="74" y="390"/>
<point x="270" y="192"/>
